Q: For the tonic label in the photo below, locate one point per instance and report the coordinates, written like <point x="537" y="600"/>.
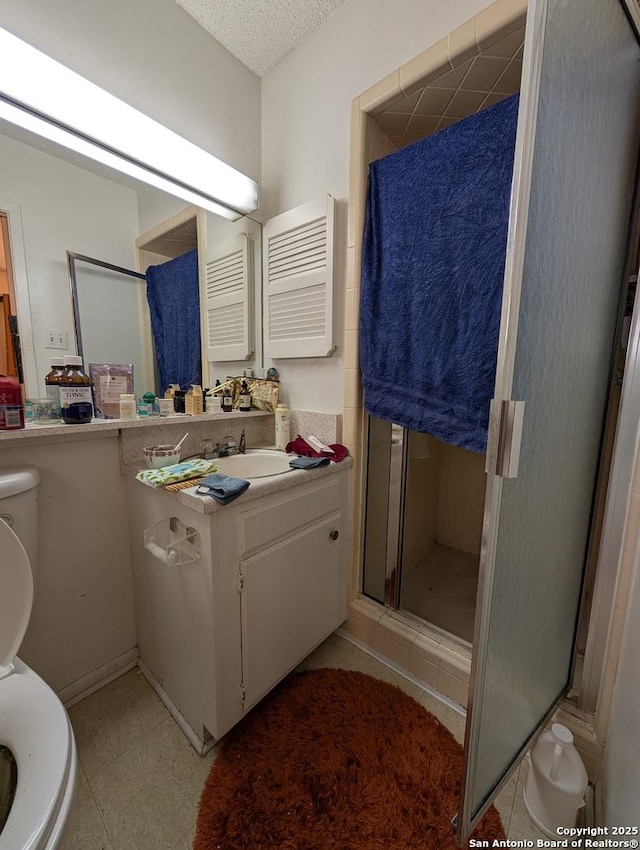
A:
<point x="73" y="395"/>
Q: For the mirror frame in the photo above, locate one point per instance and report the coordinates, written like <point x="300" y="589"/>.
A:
<point x="73" y="284"/>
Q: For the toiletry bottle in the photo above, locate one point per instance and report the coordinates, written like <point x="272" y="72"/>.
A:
<point x="11" y="404"/>
<point x="76" y="404"/>
<point x="149" y="399"/>
<point x="52" y="381"/>
<point x="127" y="406"/>
<point x="188" y="402"/>
<point x="197" y="399"/>
<point x="283" y="426"/>
<point x="227" y="399"/>
<point x="245" y="398"/>
<point x="218" y="395"/>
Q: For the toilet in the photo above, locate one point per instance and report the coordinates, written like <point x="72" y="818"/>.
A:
<point x="34" y="726"/>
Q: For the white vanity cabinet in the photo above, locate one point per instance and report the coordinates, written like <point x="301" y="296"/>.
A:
<point x="217" y="634"/>
<point x="290" y="551"/>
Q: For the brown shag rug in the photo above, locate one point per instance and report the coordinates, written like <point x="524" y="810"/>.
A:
<point x="335" y="760"/>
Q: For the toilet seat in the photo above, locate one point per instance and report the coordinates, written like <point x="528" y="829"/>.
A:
<point x="33" y="722"/>
<point x="34" y="726"/>
<point x="16" y="599"/>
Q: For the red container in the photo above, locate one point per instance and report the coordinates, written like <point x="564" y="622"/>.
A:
<point x="11" y="405"/>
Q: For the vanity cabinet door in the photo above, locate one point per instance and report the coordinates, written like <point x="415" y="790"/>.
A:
<point x="292" y="597"/>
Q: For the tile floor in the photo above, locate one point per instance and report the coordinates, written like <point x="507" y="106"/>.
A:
<point x="140" y="780"/>
<point x="441" y="589"/>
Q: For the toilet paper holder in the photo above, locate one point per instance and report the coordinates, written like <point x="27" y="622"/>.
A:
<point x="173" y="542"/>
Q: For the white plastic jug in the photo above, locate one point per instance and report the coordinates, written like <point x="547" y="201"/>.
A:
<point x="557" y="781"/>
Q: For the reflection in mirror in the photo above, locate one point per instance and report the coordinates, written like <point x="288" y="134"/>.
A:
<point x="105" y="298"/>
<point x="57" y="202"/>
<point x="10" y="355"/>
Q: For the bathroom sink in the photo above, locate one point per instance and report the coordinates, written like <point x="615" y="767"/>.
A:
<point x="255" y="463"/>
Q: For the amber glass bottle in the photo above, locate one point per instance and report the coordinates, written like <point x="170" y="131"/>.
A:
<point x="76" y="404"/>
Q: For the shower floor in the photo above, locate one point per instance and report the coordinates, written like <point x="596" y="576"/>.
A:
<point x="441" y="589"/>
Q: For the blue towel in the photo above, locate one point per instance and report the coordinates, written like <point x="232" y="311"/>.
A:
<point x="432" y="275"/>
<point x="309" y="462"/>
<point x="174" y="301"/>
<point x="223" y="488"/>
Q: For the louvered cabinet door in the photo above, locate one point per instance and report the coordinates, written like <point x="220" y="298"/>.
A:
<point x="228" y="299"/>
<point x="298" y="281"/>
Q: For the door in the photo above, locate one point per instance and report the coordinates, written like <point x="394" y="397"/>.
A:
<point x="574" y="173"/>
<point x="290" y="599"/>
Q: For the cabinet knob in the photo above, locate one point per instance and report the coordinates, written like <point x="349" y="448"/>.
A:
<point x="334" y="534"/>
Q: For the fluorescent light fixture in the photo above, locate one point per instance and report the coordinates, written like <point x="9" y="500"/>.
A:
<point x="43" y="96"/>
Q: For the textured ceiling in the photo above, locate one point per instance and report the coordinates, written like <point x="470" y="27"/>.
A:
<point x="260" y="32"/>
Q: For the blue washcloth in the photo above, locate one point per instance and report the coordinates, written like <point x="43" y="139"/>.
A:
<point x="309" y="462"/>
<point x="223" y="488"/>
<point x="432" y="274"/>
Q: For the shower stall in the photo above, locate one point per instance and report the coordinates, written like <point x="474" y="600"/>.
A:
<point x="423" y="527"/>
<point x="567" y="256"/>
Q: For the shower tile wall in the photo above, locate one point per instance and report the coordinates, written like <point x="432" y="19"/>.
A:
<point x="462" y="482"/>
<point x="442" y="534"/>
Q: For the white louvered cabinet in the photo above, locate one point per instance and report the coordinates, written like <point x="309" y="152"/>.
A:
<point x="298" y="259"/>
<point x="228" y="299"/>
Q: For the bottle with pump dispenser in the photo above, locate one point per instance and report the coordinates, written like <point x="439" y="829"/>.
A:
<point x="76" y="402"/>
<point x="283" y="426"/>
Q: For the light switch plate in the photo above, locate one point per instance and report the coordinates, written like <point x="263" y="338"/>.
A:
<point x="55" y="339"/>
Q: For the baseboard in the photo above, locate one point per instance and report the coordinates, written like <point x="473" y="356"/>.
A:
<point x="200" y="746"/>
<point x="96" y="679"/>
<point x="429" y="689"/>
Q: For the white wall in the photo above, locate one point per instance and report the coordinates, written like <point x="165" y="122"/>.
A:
<point x="306" y="103"/>
<point x="621" y="769"/>
<point x="83" y="615"/>
<point x="157" y="58"/>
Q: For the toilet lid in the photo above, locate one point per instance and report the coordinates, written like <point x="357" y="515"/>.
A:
<point x="16" y="598"/>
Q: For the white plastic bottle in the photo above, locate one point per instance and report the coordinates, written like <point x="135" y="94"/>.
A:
<point x="128" y="406"/>
<point x="557" y="781"/>
<point x="283" y="426"/>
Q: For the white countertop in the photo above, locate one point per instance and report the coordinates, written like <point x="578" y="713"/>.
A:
<point x="97" y="426"/>
<point x="259" y="486"/>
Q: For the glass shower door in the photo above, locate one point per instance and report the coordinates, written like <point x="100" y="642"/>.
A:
<point x="575" y="169"/>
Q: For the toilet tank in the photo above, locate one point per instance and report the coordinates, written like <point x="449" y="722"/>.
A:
<point x="19" y="506"/>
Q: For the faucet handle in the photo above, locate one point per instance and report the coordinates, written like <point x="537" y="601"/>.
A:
<point x="227" y="446"/>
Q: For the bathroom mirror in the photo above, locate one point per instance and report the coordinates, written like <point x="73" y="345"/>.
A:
<point x="56" y="202"/>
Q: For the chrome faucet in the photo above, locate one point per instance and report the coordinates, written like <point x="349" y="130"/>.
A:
<point x="227" y="446"/>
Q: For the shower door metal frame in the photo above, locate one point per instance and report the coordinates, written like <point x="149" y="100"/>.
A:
<point x="72" y="258"/>
<point x="391" y="594"/>
<point x="466" y="819"/>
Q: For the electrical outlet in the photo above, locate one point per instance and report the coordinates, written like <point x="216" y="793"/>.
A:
<point x="55" y="339"/>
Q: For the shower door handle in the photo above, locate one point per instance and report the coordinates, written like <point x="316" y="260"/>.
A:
<point x="506" y="419"/>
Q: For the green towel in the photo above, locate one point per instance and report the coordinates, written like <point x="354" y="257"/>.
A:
<point x="176" y="472"/>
